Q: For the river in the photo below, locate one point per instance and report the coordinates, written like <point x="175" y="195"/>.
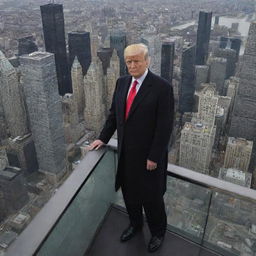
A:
<point x="226" y="21"/>
<point x="243" y="27"/>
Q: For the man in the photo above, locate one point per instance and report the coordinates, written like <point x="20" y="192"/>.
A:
<point x="142" y="112"/>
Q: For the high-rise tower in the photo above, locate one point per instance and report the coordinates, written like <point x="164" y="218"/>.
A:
<point x="243" y="120"/>
<point x="54" y="38"/>
<point x="238" y="154"/>
<point x="230" y="55"/>
<point x="234" y="43"/>
<point x="187" y="88"/>
<point x="118" y="42"/>
<point x="79" y="45"/>
<point x="104" y="55"/>
<point x="11" y="99"/>
<point x="203" y="37"/>
<point x="44" y="108"/>
<point x="167" y="57"/>
<point x="26" y="45"/>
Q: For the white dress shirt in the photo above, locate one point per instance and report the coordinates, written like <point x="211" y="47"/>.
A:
<point x="139" y="80"/>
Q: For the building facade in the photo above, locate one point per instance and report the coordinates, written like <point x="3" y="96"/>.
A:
<point x="238" y="154"/>
<point x="167" y="58"/>
<point x="44" y="109"/>
<point x="54" y="38"/>
<point x="203" y="37"/>
<point x="196" y="145"/>
<point x="243" y="119"/>
<point x="187" y="87"/>
<point x="79" y="46"/>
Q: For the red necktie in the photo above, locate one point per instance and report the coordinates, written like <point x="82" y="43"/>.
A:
<point x="130" y="98"/>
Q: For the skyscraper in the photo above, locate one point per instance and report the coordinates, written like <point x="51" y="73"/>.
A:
<point x="230" y="55"/>
<point x="201" y="75"/>
<point x="79" y="45"/>
<point x="78" y="87"/>
<point x="54" y="38"/>
<point x="216" y="20"/>
<point x="44" y="108"/>
<point x="118" y="42"/>
<point x="218" y="67"/>
<point x="11" y="98"/>
<point x="235" y="44"/>
<point x="104" y="55"/>
<point x="187" y="87"/>
<point x="203" y="37"/>
<point x="26" y="45"/>
<point x="243" y="120"/>
<point x="208" y="102"/>
<point x="167" y="58"/>
<point x="238" y="154"/>
<point x="196" y="144"/>
<point x="112" y="76"/>
<point x="94" y="112"/>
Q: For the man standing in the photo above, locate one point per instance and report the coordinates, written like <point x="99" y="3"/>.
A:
<point x="142" y="112"/>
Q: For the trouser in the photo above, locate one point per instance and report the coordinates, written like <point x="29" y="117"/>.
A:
<point x="154" y="211"/>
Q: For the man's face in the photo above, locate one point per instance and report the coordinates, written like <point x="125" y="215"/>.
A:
<point x="136" y="64"/>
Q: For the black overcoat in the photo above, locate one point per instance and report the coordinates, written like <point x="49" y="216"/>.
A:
<point x="144" y="135"/>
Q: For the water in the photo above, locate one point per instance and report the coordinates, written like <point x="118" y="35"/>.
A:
<point x="243" y="27"/>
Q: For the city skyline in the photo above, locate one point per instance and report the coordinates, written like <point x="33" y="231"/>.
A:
<point x="45" y="132"/>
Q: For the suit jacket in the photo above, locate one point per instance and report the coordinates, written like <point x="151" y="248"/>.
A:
<point x="144" y="135"/>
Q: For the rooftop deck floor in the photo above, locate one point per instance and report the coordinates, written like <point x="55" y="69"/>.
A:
<point x="107" y="243"/>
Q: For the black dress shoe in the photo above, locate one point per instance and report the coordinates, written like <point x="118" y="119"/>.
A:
<point x="129" y="233"/>
<point x="154" y="243"/>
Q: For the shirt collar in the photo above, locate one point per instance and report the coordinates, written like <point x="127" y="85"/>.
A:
<point x="140" y="79"/>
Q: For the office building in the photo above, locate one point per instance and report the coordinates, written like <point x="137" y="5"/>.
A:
<point x="78" y="87"/>
<point x="104" y="55"/>
<point x="238" y="154"/>
<point x="243" y="119"/>
<point x="196" y="145"/>
<point x="230" y="55"/>
<point x="232" y="42"/>
<point x="12" y="102"/>
<point x="208" y="102"/>
<point x="167" y="58"/>
<point x="203" y="37"/>
<point x="54" y="38"/>
<point x="44" y="109"/>
<point x="201" y="75"/>
<point x="187" y="87"/>
<point x="94" y="91"/>
<point x="218" y="67"/>
<point x="236" y="176"/>
<point x="79" y="46"/>
<point x="111" y="78"/>
<point x="118" y="41"/>
<point x="26" y="45"/>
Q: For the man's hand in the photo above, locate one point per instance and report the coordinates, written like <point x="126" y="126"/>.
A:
<point x="151" y="166"/>
<point x="95" y="145"/>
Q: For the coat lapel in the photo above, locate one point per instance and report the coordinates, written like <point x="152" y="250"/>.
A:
<point x="143" y="91"/>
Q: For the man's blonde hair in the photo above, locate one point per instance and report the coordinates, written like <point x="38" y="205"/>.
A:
<point x="134" y="49"/>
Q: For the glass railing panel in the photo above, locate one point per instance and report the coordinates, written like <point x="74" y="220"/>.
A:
<point x="75" y="230"/>
<point x="187" y="207"/>
<point x="231" y="227"/>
